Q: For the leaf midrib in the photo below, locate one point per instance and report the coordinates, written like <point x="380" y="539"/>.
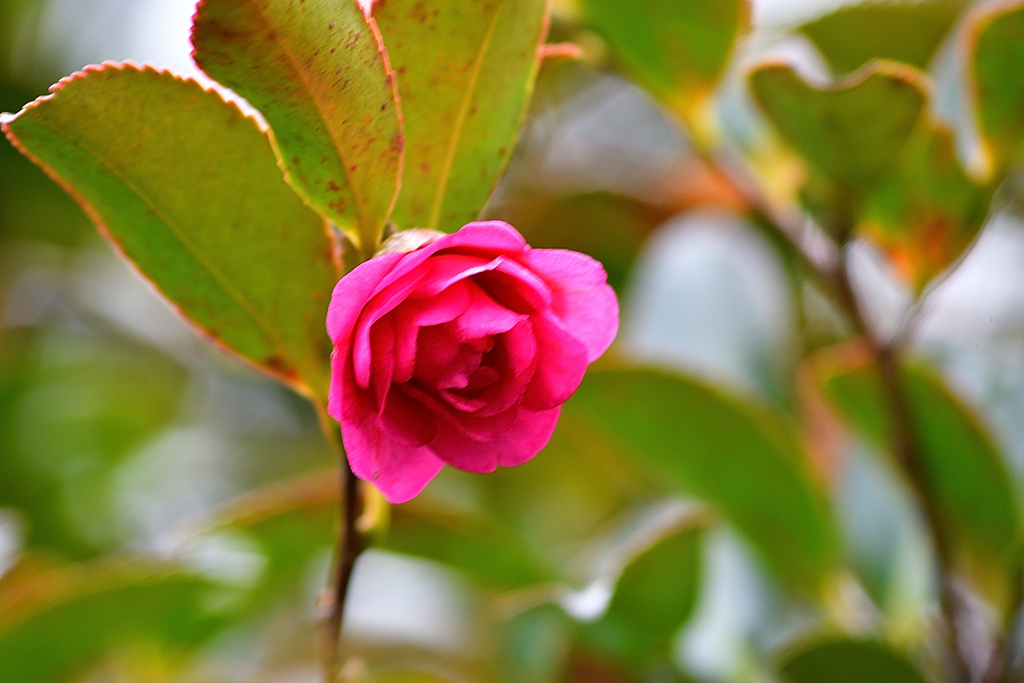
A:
<point x="362" y="218"/>
<point x="460" y="120"/>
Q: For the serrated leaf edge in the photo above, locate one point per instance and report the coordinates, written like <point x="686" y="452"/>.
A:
<point x="298" y="384"/>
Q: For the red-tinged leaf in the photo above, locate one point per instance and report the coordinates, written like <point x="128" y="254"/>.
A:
<point x="465" y="72"/>
<point x="318" y="72"/>
<point x="995" y="36"/>
<point x="928" y="211"/>
<point x="186" y="188"/>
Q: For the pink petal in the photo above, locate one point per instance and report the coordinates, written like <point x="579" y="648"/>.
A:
<point x="520" y="349"/>
<point x="561" y="362"/>
<point x="487" y="237"/>
<point x="399" y="470"/>
<point x="469" y="357"/>
<point x="448" y="269"/>
<point x="406" y="419"/>
<point x="527" y="436"/>
<point x="582" y="297"/>
<point x="496" y="236"/>
<point x="470" y="424"/>
<point x="380" y="305"/>
<point x="415" y="314"/>
<point x="485" y="317"/>
<point x="436" y="352"/>
<point x="353" y="291"/>
<point x="514" y="286"/>
<point x="382" y="337"/>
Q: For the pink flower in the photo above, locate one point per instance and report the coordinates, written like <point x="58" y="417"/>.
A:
<point x="461" y="352"/>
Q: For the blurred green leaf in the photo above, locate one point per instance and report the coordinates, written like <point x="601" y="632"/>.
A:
<point x="187" y="189"/>
<point x="963" y="466"/>
<point x="611" y="228"/>
<point x="318" y="73"/>
<point x="73" y="406"/>
<point x="295" y="519"/>
<point x="852" y="131"/>
<point x="476" y="544"/>
<point x="907" y="32"/>
<point x="848" y="661"/>
<point x="535" y="645"/>
<point x="574" y="491"/>
<point x="56" y="625"/>
<point x="741" y="457"/>
<point x="465" y="73"/>
<point x="927" y="211"/>
<point x="292" y="522"/>
<point x="678" y="50"/>
<point x="996" y="47"/>
<point x="653" y="598"/>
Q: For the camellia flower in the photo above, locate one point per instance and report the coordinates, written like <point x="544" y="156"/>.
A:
<point x="460" y="349"/>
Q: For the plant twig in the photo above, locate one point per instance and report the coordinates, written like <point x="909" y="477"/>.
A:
<point x="349" y="545"/>
<point x="828" y="269"/>
<point x="906" y="450"/>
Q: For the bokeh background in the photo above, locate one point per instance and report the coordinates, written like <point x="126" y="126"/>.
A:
<point x="123" y="433"/>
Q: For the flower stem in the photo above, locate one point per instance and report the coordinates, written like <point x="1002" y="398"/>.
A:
<point x="348" y="546"/>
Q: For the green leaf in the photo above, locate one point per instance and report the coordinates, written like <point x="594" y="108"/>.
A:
<point x="465" y="72"/>
<point x="56" y="625"/>
<point x="475" y="544"/>
<point x="848" y="661"/>
<point x="186" y="188"/>
<point x="927" y="211"/>
<point x="294" y="519"/>
<point x="996" y="47"/>
<point x="317" y="71"/>
<point x="741" y="457"/>
<point x="611" y="228"/>
<point x="677" y="50"/>
<point x="964" y="468"/>
<point x="535" y="645"/>
<point x="852" y="131"/>
<point x="907" y="32"/>
<point x="653" y="598"/>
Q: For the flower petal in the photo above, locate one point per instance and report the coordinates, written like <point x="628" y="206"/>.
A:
<point x="582" y="297"/>
<point x="415" y="314"/>
<point x="398" y="469"/>
<point x="561" y="363"/>
<point x="524" y="439"/>
<point x="352" y="292"/>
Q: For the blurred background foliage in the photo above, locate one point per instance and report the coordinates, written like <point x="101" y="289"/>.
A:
<point x="726" y="513"/>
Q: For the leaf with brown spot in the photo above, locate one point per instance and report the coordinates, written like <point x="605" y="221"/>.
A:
<point x="186" y="188"/>
<point x="465" y="73"/>
<point x="318" y="73"/>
